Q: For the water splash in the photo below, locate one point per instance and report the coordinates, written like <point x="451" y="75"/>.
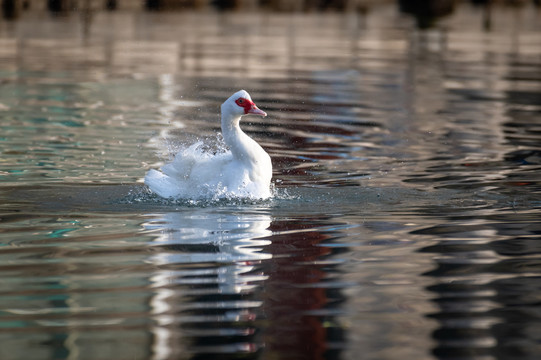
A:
<point x="142" y="195"/>
<point x="206" y="170"/>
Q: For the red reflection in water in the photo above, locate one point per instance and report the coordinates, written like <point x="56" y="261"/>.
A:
<point x="292" y="291"/>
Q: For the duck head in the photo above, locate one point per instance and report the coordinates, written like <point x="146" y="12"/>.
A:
<point x="240" y="104"/>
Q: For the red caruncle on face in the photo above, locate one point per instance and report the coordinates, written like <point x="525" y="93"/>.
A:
<point x="246" y="104"/>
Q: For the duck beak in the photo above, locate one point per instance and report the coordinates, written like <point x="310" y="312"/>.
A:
<point x="256" y="111"/>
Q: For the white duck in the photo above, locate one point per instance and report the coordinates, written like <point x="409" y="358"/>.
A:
<point x="243" y="171"/>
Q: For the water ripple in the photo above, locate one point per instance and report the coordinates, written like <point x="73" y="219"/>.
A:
<point x="404" y="222"/>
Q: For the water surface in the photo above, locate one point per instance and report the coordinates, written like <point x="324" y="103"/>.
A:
<point x="406" y="168"/>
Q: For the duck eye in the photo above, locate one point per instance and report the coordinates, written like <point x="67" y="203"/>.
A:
<point x="241" y="102"/>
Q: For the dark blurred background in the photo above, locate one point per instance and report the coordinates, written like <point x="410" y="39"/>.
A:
<point x="426" y="12"/>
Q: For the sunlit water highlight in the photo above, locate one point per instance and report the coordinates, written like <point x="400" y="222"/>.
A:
<point x="405" y="221"/>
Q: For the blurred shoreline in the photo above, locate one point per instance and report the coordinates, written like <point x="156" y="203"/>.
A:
<point x="125" y="42"/>
<point x="14" y="9"/>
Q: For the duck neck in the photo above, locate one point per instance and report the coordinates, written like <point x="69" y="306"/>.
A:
<point x="232" y="133"/>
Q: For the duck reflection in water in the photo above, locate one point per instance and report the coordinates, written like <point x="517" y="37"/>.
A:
<point x="229" y="284"/>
